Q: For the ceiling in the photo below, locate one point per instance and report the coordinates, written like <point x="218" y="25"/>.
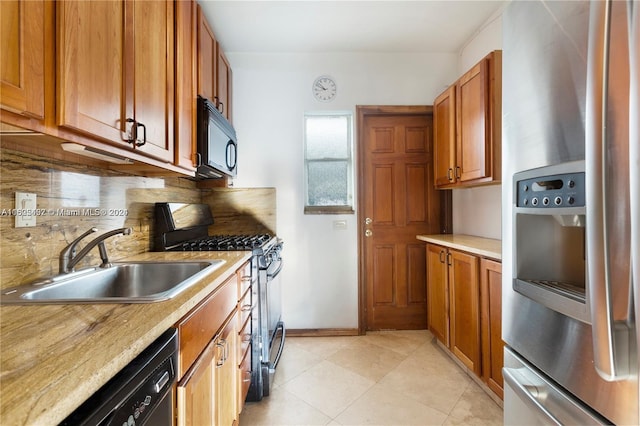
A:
<point x="436" y="26"/>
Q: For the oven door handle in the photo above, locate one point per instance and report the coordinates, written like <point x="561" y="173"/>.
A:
<point x="271" y="274"/>
<point x="279" y="354"/>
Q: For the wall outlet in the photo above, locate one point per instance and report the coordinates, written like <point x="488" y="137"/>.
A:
<point x="25" y="209"/>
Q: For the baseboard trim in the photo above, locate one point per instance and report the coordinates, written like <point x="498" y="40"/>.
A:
<point x="321" y="332"/>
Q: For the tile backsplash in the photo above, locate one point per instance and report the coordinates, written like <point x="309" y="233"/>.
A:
<point x="72" y="198"/>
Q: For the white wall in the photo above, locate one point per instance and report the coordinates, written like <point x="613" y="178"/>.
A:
<point x="271" y="92"/>
<point x="476" y="211"/>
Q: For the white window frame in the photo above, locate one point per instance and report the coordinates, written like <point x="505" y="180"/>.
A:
<point x="331" y="209"/>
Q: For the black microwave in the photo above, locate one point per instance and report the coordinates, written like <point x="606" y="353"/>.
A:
<point x="217" y="143"/>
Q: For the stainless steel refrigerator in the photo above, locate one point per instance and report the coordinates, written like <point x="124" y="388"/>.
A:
<point x="571" y="212"/>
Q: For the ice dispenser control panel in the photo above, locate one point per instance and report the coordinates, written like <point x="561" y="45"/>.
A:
<point x="553" y="191"/>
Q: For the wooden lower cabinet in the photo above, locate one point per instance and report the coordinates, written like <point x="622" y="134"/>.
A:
<point x="212" y="355"/>
<point x="226" y="375"/>
<point x="437" y="293"/>
<point x="491" y="324"/>
<point x="196" y="391"/>
<point x="464" y="310"/>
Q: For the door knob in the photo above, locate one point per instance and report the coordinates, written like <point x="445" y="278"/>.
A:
<point x="368" y="233"/>
<point x="368" y="221"/>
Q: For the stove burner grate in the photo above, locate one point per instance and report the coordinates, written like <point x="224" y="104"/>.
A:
<point x="224" y="243"/>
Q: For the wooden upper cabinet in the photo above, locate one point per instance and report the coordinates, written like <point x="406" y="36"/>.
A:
<point x="108" y="73"/>
<point x="475" y="141"/>
<point x="206" y="58"/>
<point x="153" y="87"/>
<point x="90" y="68"/>
<point x="22" y="57"/>
<point x="214" y="71"/>
<point x="444" y="128"/>
<point x="472" y="142"/>
<point x="223" y="84"/>
<point x="186" y="84"/>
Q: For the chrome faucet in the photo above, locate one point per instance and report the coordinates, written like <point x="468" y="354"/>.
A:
<point x="69" y="259"/>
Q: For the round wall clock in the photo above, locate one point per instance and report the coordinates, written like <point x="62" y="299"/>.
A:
<point x="324" y="88"/>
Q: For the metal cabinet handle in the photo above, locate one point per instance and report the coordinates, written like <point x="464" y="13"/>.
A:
<point x="144" y="133"/>
<point x="449" y="256"/>
<point x="450" y="174"/>
<point x="458" y="172"/>
<point x="610" y="337"/>
<point x="442" y="256"/>
<point x="132" y="133"/>
<point x="221" y="345"/>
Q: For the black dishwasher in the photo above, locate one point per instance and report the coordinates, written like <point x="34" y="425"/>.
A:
<point x="141" y="393"/>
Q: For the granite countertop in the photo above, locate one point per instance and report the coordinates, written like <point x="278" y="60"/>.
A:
<point x="53" y="357"/>
<point x="486" y="247"/>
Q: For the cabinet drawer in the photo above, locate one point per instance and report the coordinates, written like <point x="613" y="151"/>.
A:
<point x="244" y="379"/>
<point x="199" y="326"/>
<point x="244" y="337"/>
<point x="244" y="308"/>
<point x="244" y="279"/>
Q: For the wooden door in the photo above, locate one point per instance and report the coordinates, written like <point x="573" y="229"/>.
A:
<point x="223" y="84"/>
<point x="491" y="321"/>
<point x="472" y="104"/>
<point x="186" y="86"/>
<point x="437" y="293"/>
<point x="206" y="57"/>
<point x="444" y="138"/>
<point x="196" y="392"/>
<point x="398" y="201"/>
<point x="154" y="77"/>
<point x="227" y="374"/>
<point x="464" y="308"/>
<point x="91" y="88"/>
<point x="22" y="57"/>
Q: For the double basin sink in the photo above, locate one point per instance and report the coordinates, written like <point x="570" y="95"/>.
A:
<point x="127" y="282"/>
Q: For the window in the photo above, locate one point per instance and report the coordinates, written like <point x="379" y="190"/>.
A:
<point x="328" y="163"/>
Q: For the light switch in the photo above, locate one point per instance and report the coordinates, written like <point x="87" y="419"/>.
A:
<point x="25" y="209"/>
<point x="339" y="224"/>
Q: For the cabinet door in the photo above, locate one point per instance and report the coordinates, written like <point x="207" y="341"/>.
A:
<point x="196" y="391"/>
<point x="206" y="58"/>
<point x="491" y="319"/>
<point x="91" y="96"/>
<point x="464" y="308"/>
<point x="444" y="142"/>
<point x="223" y="84"/>
<point x="22" y="34"/>
<point x="227" y="375"/>
<point x="437" y="293"/>
<point x="153" y="76"/>
<point x="186" y="75"/>
<point x="472" y="103"/>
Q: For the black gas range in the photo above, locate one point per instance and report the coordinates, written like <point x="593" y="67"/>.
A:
<point x="185" y="227"/>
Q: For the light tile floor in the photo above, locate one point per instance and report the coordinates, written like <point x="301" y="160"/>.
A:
<point x="382" y="378"/>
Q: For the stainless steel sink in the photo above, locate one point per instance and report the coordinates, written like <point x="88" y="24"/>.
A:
<point x="138" y="282"/>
